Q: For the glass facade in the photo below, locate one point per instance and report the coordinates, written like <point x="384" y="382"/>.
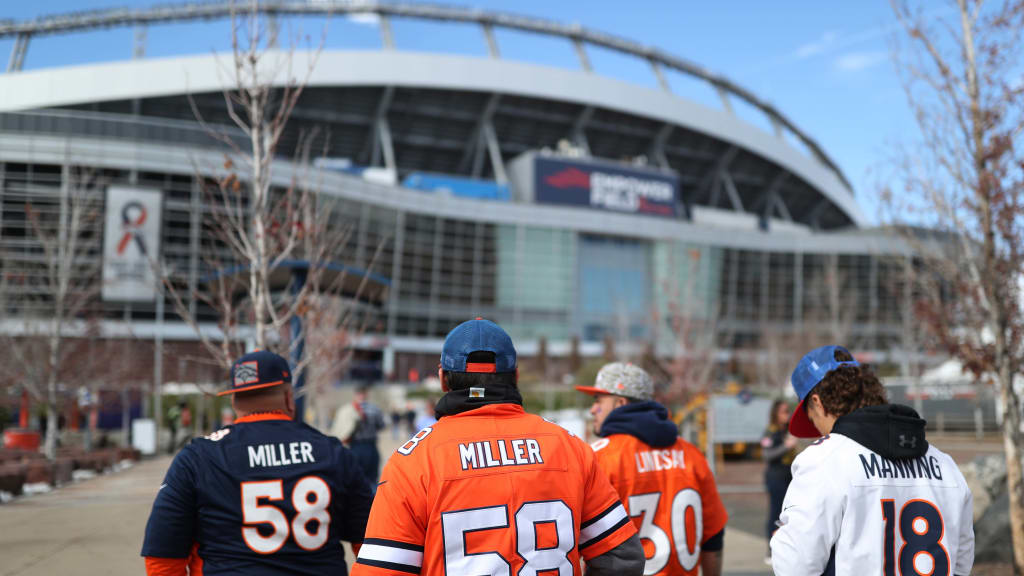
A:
<point x="537" y="281"/>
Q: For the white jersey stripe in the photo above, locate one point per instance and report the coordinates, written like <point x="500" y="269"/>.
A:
<point x="391" y="554"/>
<point x="606" y="522"/>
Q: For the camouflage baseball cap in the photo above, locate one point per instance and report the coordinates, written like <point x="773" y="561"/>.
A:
<point x="622" y="379"/>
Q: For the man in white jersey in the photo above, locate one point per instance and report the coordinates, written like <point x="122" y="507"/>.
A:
<point x="870" y="496"/>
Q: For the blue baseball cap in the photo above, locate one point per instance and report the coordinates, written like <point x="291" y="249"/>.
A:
<point x="259" y="369"/>
<point x="811" y="370"/>
<point x="478" y="335"/>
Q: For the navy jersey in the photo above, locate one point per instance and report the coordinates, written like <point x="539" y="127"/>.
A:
<point x="266" y="495"/>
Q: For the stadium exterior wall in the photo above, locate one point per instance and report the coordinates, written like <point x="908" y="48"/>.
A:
<point x="524" y="265"/>
<point x="149" y="78"/>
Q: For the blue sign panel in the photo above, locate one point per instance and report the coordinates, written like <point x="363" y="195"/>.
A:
<point x="605" y="187"/>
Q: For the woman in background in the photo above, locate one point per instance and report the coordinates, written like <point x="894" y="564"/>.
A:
<point x="778" y="448"/>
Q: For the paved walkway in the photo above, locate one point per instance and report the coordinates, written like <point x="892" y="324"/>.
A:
<point x="95" y="527"/>
<point x="91" y="527"/>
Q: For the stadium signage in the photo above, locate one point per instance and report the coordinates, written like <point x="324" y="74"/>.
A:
<point x="605" y="187"/>
<point x="131" y="239"/>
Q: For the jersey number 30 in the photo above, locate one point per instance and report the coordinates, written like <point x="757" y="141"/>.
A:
<point x="310" y="498"/>
<point x="647" y="505"/>
<point x="920" y="524"/>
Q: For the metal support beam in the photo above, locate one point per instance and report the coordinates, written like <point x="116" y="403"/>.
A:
<point x="781" y="208"/>
<point x="435" y="275"/>
<point x="724" y="97"/>
<point x="492" y="42"/>
<point x="776" y="125"/>
<point x="710" y="181"/>
<point x="766" y="284"/>
<point x="194" y="230"/>
<point x="579" y="129"/>
<point x="814" y="216"/>
<point x="396" y="272"/>
<point x="478" y="154"/>
<point x="581" y="53"/>
<point x="364" y="225"/>
<point x="494" y="149"/>
<point x="798" y="290"/>
<point x="18" y="52"/>
<point x="387" y="38"/>
<point x="657" y="151"/>
<point x="273" y="31"/>
<point x="660" y="75"/>
<point x="733" y="193"/>
<point x="139" y="47"/>
<point x="873" y="291"/>
<point x="372" y="149"/>
<point x="475" y="140"/>
<point x="478" y="266"/>
<point x="386" y="145"/>
<point x="771" y="201"/>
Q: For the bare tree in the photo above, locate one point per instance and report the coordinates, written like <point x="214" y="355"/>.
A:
<point x="962" y="79"/>
<point x="691" y="323"/>
<point x="271" y="249"/>
<point x="53" y="288"/>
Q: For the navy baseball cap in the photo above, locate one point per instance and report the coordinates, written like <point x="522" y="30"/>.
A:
<point x="811" y="370"/>
<point x="478" y="335"/>
<point x="259" y="369"/>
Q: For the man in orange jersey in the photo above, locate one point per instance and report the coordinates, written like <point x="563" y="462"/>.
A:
<point x="489" y="489"/>
<point x="663" y="480"/>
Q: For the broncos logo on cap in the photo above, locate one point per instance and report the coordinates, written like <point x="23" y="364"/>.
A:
<point x="247" y="373"/>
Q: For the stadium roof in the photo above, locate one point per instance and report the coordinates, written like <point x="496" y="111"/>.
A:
<point x="442" y="112"/>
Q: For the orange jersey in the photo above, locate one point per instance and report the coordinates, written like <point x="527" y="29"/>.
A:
<point x="491" y="491"/>
<point x="670" y="493"/>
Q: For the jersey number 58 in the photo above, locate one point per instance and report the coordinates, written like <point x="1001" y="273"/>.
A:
<point x="310" y="498"/>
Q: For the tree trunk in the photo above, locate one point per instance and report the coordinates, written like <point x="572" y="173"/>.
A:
<point x="50" y="444"/>
<point x="1014" y="475"/>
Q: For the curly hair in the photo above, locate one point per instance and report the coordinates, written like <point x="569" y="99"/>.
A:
<point x="849" y="388"/>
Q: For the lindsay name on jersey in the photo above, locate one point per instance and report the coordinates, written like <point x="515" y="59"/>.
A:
<point x="280" y="454"/>
<point x="657" y="460"/>
<point x="923" y="467"/>
<point x="497" y="453"/>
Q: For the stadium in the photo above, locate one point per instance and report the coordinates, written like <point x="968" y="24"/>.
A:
<point x="571" y="207"/>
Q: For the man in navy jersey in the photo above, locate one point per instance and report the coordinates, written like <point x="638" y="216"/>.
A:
<point x="264" y="496"/>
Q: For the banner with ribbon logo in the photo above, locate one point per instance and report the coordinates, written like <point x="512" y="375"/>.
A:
<point x="131" y="239"/>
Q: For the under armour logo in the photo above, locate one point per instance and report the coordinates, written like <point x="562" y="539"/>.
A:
<point x="905" y="442"/>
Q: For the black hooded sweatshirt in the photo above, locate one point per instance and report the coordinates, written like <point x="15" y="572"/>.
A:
<point x="893" y="431"/>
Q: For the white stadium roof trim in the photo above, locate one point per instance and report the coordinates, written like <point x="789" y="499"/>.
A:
<point x="65" y="86"/>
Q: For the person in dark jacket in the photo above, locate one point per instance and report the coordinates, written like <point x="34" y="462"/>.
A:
<point x="778" y="448"/>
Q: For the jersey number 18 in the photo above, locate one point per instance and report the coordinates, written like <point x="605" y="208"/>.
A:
<point x="920" y="524"/>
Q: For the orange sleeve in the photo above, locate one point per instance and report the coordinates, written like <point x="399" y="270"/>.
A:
<point x="715" y="516"/>
<point x="609" y="457"/>
<point x="396" y="530"/>
<point x="166" y="566"/>
<point x="605" y="522"/>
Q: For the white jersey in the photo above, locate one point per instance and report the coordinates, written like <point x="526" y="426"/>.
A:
<point x="850" y="512"/>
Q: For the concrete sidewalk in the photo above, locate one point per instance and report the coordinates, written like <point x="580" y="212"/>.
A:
<point x="96" y="526"/>
<point x="91" y="527"/>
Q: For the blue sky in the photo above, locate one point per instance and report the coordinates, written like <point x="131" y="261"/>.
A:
<point x="826" y="65"/>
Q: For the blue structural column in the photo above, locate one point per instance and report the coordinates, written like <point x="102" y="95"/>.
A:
<point x="298" y="344"/>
